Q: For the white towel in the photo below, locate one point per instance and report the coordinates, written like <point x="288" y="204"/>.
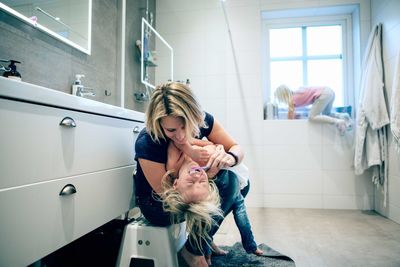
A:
<point x="372" y="112"/>
<point x="373" y="115"/>
<point x="395" y="105"/>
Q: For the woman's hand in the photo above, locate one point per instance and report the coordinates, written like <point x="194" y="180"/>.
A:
<point x="218" y="160"/>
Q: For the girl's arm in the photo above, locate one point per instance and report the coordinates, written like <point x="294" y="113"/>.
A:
<point x="291" y="110"/>
<point x="196" y="151"/>
<point x="175" y="159"/>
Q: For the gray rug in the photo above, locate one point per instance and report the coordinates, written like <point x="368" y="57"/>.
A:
<point x="237" y="256"/>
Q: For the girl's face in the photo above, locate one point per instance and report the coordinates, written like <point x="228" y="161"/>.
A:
<point x="174" y="129"/>
<point x="192" y="184"/>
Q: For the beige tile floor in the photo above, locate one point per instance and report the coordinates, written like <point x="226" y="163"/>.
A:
<point x="322" y="238"/>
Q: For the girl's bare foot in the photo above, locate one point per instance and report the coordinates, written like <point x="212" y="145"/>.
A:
<point x="218" y="251"/>
<point x="208" y="260"/>
<point x="193" y="260"/>
<point x="258" y="252"/>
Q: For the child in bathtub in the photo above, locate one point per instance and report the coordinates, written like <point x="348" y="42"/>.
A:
<point x="190" y="167"/>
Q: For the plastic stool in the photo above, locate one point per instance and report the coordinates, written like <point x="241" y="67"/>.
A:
<point x="146" y="245"/>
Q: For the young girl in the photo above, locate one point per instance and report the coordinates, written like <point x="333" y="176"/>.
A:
<point x="191" y="185"/>
<point x="191" y="197"/>
<point x="320" y="97"/>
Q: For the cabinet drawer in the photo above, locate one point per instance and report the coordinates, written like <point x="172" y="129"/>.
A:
<point x="39" y="148"/>
<point x="35" y="220"/>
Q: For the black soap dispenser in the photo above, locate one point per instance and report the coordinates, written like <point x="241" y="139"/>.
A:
<point x="12" y="72"/>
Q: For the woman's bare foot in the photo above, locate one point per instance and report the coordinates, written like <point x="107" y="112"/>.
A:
<point x="218" y="251"/>
<point x="258" y="252"/>
<point x="193" y="260"/>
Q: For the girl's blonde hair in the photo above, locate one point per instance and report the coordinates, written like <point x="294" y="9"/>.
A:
<point x="199" y="216"/>
<point x="283" y="94"/>
<point x="177" y="100"/>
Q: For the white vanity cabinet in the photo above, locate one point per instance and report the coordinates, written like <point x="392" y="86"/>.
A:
<point x="66" y="167"/>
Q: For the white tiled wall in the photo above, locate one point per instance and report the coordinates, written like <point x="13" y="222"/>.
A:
<point x="292" y="163"/>
<point x="308" y="165"/>
<point x="387" y="13"/>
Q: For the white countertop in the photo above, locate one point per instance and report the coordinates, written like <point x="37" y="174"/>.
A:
<point x="37" y="94"/>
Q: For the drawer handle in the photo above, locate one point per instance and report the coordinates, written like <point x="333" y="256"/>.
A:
<point x="67" y="190"/>
<point x="136" y="129"/>
<point x="68" y="122"/>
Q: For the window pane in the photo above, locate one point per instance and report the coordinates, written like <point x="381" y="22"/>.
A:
<point x="327" y="73"/>
<point x="286" y="72"/>
<point x="285" y="42"/>
<point x="324" y="40"/>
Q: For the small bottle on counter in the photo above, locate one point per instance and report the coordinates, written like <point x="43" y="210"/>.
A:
<point x="77" y="85"/>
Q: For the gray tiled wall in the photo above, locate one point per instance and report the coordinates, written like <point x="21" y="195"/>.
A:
<point x="136" y="10"/>
<point x="53" y="64"/>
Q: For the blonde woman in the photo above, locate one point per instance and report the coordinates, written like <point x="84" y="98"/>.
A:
<point x="175" y="116"/>
<point x="320" y="97"/>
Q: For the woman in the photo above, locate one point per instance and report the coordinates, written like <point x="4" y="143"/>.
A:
<point x="320" y="97"/>
<point x="174" y="116"/>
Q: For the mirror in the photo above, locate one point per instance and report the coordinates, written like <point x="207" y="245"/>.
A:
<point x="156" y="60"/>
<point x="66" y="20"/>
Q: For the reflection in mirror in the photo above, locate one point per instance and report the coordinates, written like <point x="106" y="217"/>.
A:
<point x="157" y="55"/>
<point x="66" y="20"/>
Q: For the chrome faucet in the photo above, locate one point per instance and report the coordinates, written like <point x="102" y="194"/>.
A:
<point x="2" y="68"/>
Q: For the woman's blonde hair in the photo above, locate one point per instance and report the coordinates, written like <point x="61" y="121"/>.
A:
<point x="177" y="100"/>
<point x="283" y="94"/>
<point x="199" y="216"/>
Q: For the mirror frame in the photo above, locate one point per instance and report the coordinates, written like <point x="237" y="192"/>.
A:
<point x="52" y="33"/>
<point x="142" y="70"/>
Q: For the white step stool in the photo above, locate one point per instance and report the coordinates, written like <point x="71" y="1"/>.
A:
<point x="146" y="245"/>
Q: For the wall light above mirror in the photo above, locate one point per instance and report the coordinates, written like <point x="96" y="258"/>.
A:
<point x="69" y="21"/>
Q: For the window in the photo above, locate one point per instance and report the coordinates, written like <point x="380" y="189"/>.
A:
<point x="301" y="51"/>
<point x="307" y="55"/>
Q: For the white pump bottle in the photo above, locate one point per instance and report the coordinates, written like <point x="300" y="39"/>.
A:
<point x="77" y="86"/>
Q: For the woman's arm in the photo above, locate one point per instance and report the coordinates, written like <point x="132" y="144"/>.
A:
<point x="218" y="135"/>
<point x="153" y="171"/>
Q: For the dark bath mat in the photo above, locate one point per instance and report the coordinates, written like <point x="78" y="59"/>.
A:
<point x="237" y="256"/>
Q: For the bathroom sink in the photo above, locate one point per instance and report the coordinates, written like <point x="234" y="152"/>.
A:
<point x="12" y="89"/>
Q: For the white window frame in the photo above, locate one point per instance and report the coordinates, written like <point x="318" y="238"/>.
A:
<point x="344" y="20"/>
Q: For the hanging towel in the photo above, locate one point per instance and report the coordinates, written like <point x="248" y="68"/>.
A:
<point x="372" y="115"/>
<point x="395" y="105"/>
